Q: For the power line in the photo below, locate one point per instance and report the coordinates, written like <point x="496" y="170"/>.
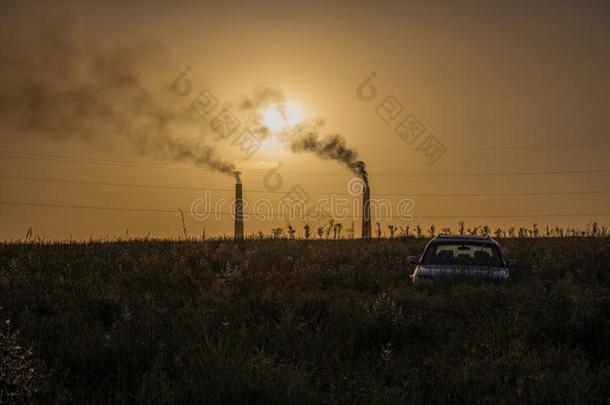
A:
<point x="167" y="187"/>
<point x="95" y="161"/>
<point x="104" y="208"/>
<point x="517" y="216"/>
<point x="61" y="158"/>
<point x="502" y="148"/>
<point x="86" y="207"/>
<point x="105" y="183"/>
<point x="267" y="216"/>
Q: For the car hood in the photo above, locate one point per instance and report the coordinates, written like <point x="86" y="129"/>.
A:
<point x="450" y="271"/>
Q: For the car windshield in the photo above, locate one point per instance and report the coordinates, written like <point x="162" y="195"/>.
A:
<point x="463" y="254"/>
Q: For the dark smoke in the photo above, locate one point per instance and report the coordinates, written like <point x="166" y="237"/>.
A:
<point x="54" y="84"/>
<point x="261" y="97"/>
<point x="305" y="137"/>
<point x="253" y="104"/>
<point x="330" y="147"/>
<point x="180" y="150"/>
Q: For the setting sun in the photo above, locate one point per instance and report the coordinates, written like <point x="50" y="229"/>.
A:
<point x="278" y="117"/>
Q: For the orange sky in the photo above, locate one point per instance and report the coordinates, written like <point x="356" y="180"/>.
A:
<point x="507" y="89"/>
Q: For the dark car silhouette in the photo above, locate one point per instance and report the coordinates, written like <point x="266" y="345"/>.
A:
<point x="458" y="256"/>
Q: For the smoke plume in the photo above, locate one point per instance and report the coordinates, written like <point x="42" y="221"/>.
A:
<point x="56" y="85"/>
<point x="260" y="97"/>
<point x="306" y="136"/>
<point x="252" y="105"/>
<point x="331" y="147"/>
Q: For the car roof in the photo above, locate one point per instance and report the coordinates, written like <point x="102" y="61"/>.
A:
<point x="463" y="239"/>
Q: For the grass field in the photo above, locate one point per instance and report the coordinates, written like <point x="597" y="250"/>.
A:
<point x="295" y="321"/>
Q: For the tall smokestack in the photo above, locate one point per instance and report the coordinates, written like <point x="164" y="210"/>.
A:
<point x="239" y="207"/>
<point x="366" y="212"/>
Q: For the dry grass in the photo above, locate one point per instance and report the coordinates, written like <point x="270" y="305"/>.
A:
<point x="306" y="321"/>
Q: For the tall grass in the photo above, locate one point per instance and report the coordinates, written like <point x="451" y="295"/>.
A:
<point x="305" y="321"/>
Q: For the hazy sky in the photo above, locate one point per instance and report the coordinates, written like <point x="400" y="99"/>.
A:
<point x="517" y="90"/>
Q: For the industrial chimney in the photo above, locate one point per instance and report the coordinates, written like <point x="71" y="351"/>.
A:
<point x="239" y="208"/>
<point x="366" y="212"/>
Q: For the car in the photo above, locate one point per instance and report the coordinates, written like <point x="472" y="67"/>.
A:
<point x="459" y="256"/>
